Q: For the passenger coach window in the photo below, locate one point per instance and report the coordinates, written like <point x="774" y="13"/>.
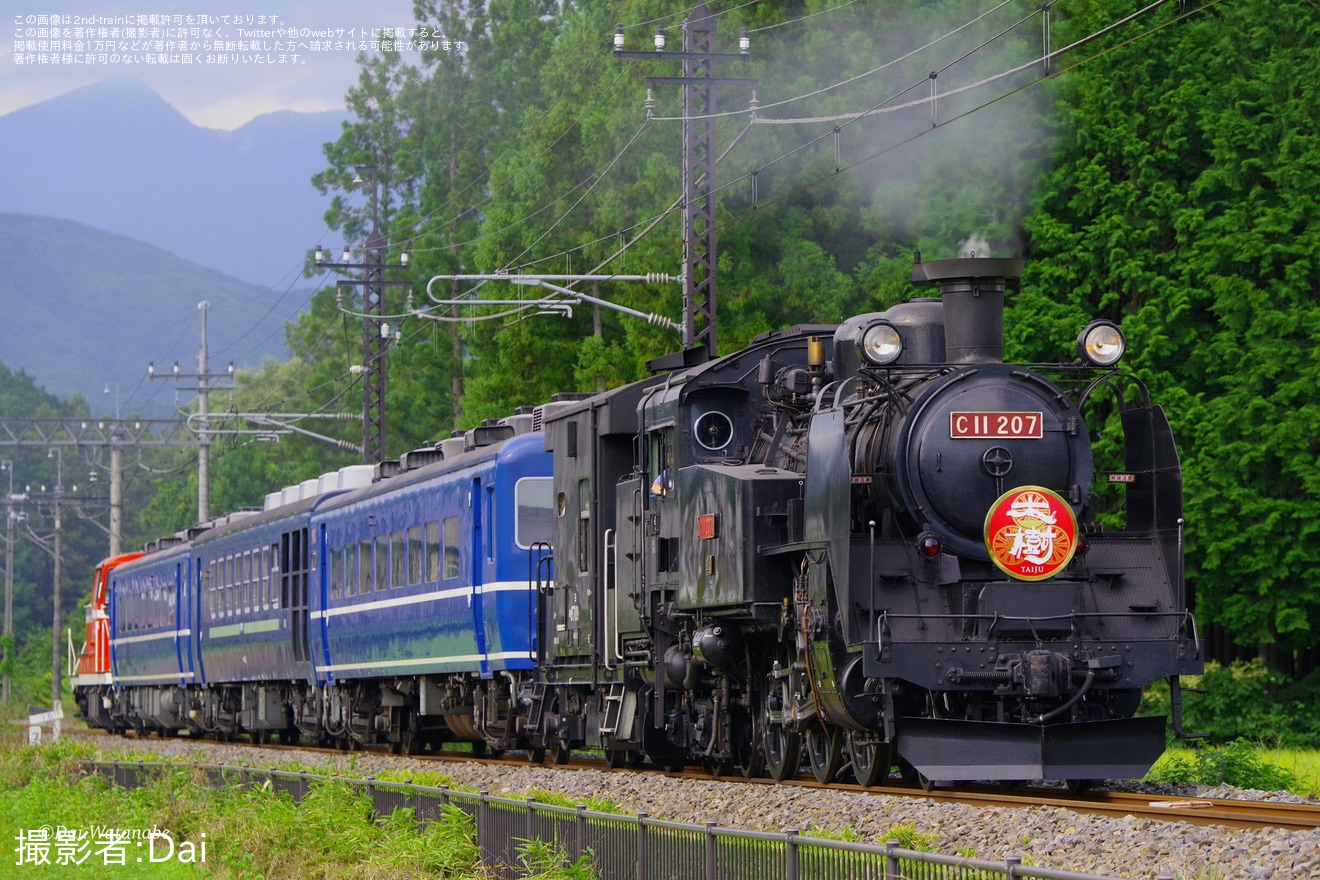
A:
<point x="364" y="566"/>
<point x="490" y="522"/>
<point x="398" y="560"/>
<point x="451" y="547"/>
<point x="534" y="499"/>
<point x="230" y="604"/>
<point x="274" y="575"/>
<point x="335" y="571"/>
<point x="350" y="570"/>
<point x="263" y="572"/>
<point x="382" y="562"/>
<point x="415" y="555"/>
<point x="433" y="551"/>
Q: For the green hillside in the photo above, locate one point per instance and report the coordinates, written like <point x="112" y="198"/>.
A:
<point x="84" y="308"/>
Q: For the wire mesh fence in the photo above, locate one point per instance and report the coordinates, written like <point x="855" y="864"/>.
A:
<point x="622" y="847"/>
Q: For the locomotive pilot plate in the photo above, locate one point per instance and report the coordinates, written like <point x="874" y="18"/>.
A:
<point x="1031" y="533"/>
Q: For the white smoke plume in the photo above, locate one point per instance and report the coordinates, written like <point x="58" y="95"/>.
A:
<point x="975" y="246"/>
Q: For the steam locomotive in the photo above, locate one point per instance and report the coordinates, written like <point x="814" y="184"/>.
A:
<point x="854" y="546"/>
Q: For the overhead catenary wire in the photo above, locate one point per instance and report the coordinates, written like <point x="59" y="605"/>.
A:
<point x="770" y="27"/>
<point x="926" y="131"/>
<point x="883" y="108"/>
<point x="1044" y="59"/>
<point x="592" y="62"/>
<point x="845" y="119"/>
<point x="849" y="81"/>
<point x="232" y="345"/>
<point x="753" y="110"/>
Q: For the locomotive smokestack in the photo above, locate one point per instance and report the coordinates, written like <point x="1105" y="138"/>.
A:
<point x="973" y="294"/>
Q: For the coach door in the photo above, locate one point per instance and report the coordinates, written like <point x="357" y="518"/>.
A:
<point x="183" y="618"/>
<point x="293" y="588"/>
<point x="483" y="530"/>
<point x="331" y="577"/>
<point x="202" y="582"/>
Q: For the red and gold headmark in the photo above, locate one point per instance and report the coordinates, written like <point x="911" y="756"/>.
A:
<point x="1031" y="533"/>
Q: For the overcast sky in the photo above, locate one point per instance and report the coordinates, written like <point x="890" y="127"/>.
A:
<point x="212" y="95"/>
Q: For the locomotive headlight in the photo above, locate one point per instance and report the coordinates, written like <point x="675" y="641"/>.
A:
<point x="881" y="344"/>
<point x="1101" y="344"/>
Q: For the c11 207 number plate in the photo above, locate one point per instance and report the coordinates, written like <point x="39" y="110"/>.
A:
<point x="996" y="425"/>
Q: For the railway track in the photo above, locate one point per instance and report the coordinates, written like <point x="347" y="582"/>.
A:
<point x="1232" y="813"/>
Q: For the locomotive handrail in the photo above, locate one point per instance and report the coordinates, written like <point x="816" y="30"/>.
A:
<point x="609" y="563"/>
<point x="1027" y="619"/>
<point x="1108" y="380"/>
<point x="537" y="559"/>
<point x="820" y="395"/>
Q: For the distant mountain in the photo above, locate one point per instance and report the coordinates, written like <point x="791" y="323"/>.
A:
<point x="116" y="156"/>
<point x="81" y="308"/>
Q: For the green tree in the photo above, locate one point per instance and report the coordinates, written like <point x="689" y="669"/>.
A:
<point x="1184" y="207"/>
<point x="36" y="472"/>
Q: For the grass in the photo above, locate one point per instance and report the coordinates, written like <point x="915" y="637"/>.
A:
<point x="234" y="832"/>
<point x="1303" y="764"/>
<point x="1243" y="764"/>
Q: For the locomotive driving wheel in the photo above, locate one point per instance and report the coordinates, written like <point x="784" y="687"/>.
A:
<point x="871" y="758"/>
<point x="824" y="751"/>
<point x="781" y="745"/>
<point x="747" y="754"/>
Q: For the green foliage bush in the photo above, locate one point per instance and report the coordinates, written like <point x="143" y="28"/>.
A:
<point x="1245" y="701"/>
<point x="1238" y="763"/>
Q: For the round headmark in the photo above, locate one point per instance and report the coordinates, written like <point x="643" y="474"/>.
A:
<point x="1031" y="533"/>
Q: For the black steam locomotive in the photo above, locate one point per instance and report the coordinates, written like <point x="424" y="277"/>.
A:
<point x="875" y="543"/>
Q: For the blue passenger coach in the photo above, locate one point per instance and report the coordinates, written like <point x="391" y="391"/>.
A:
<point x="252" y="588"/>
<point x="394" y="603"/>
<point x="426" y="590"/>
<point x="427" y="572"/>
<point x="151" y="648"/>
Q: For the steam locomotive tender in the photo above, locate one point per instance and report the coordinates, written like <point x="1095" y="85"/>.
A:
<point x="874" y="544"/>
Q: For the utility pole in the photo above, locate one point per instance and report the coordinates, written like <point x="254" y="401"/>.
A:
<point x="204" y="409"/>
<point x="117" y="477"/>
<point x="375" y="332"/>
<point x="56" y="549"/>
<point x="700" y="255"/>
<point x="56" y="648"/>
<point x="8" y="465"/>
<point x="116" y="496"/>
<point x="203" y="389"/>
